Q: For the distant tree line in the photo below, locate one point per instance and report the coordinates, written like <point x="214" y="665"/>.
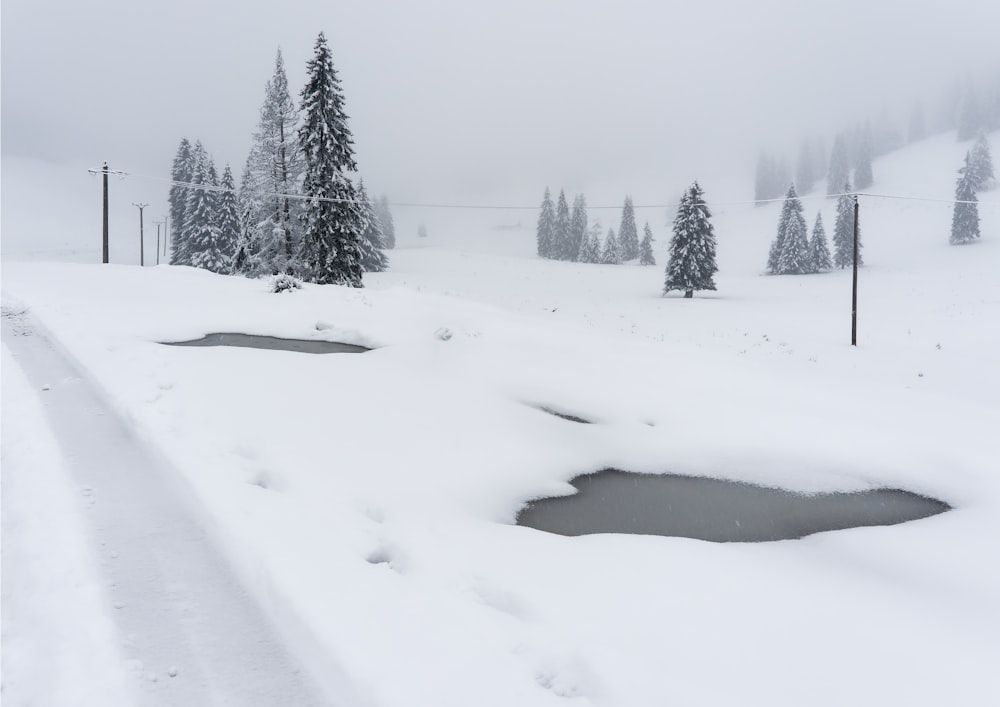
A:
<point x="297" y="210"/>
<point x="563" y="234"/>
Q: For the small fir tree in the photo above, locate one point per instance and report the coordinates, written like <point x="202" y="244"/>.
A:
<point x="691" y="265"/>
<point x="248" y="202"/>
<point x="373" y="259"/>
<point x="201" y="231"/>
<point x="646" y="247"/>
<point x="332" y="221"/>
<point x="792" y="238"/>
<point x="563" y="226"/>
<point x="612" y="253"/>
<point x="979" y="163"/>
<point x="545" y="233"/>
<point x="839" y="170"/>
<point x="965" y="219"/>
<point x="181" y="172"/>
<point x="228" y="218"/>
<point x="843" y="232"/>
<point x="628" y="234"/>
<point x="819" y="252"/>
<point x="384" y="215"/>
<point x="590" y="252"/>
<point x="577" y="229"/>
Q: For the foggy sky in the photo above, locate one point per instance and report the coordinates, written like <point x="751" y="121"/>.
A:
<point x="455" y="100"/>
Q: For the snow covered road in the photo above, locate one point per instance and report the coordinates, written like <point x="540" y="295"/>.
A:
<point x="188" y="630"/>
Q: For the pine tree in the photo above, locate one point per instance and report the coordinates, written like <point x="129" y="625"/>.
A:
<point x="384" y="215"/>
<point x="819" y="252"/>
<point x="692" y="249"/>
<point x="843" y="231"/>
<point x="590" y="251"/>
<point x="863" y="166"/>
<point x="545" y="234"/>
<point x="612" y="253"/>
<point x="839" y="169"/>
<point x="646" y="248"/>
<point x="563" y="226"/>
<point x="792" y="250"/>
<point x="577" y="229"/>
<point x="181" y="172"/>
<point x="332" y="219"/>
<point x="228" y="218"/>
<point x="202" y="237"/>
<point x="778" y="244"/>
<point x="628" y="234"/>
<point x="245" y="255"/>
<point x="965" y="219"/>
<point x="373" y="259"/>
<point x="181" y="246"/>
<point x="277" y="163"/>
<point x="979" y="163"/>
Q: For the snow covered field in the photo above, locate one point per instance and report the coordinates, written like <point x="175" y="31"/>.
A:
<point x="371" y="497"/>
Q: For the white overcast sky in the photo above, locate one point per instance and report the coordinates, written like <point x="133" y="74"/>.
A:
<point x="453" y="100"/>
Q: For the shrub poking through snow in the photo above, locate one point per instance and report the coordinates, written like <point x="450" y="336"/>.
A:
<point x="285" y="283"/>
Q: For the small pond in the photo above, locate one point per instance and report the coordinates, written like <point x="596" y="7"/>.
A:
<point x="272" y="343"/>
<point x="612" y="501"/>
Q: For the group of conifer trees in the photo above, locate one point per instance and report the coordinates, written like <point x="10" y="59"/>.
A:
<point x="297" y="210"/>
<point x="974" y="176"/>
<point x="563" y="234"/>
<point x="794" y="252"/>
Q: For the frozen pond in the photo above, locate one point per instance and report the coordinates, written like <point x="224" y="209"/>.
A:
<point x="272" y="343"/>
<point x="612" y="501"/>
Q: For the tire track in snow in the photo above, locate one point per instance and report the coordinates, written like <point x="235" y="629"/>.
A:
<point x="191" y="632"/>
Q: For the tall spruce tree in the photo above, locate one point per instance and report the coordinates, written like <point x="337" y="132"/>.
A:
<point x="793" y="237"/>
<point x="202" y="236"/>
<point x="228" y="219"/>
<point x="646" y="247"/>
<point x="546" y="231"/>
<point x="577" y="229"/>
<point x="333" y="219"/>
<point x="181" y="172"/>
<point x="628" y="234"/>
<point x="965" y="219"/>
<point x="692" y="249"/>
<point x="612" y="253"/>
<point x="563" y="226"/>
<point x="248" y="202"/>
<point x="843" y="232"/>
<point x="979" y="163"/>
<point x="819" y="252"/>
<point x="181" y="245"/>
<point x="373" y="259"/>
<point x="839" y="171"/>
<point x="384" y="214"/>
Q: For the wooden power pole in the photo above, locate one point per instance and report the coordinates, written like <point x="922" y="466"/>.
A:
<point x="142" y="257"/>
<point x="854" y="285"/>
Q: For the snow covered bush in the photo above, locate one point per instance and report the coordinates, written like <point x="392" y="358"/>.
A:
<point x="285" y="283"/>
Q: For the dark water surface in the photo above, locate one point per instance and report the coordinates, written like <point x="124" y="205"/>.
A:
<point x="272" y="343"/>
<point x="612" y="501"/>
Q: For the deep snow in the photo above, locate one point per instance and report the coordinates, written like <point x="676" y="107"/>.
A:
<point x="373" y="496"/>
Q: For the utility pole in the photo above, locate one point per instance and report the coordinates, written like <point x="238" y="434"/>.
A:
<point x="104" y="171"/>
<point x="142" y="257"/>
<point x="854" y="290"/>
<point x="158" y="224"/>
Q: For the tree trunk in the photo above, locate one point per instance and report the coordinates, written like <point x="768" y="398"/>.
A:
<point x="688" y="294"/>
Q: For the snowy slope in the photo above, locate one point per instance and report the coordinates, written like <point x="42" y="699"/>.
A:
<point x="373" y="494"/>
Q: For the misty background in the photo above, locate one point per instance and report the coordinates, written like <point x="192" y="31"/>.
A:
<point x="472" y="102"/>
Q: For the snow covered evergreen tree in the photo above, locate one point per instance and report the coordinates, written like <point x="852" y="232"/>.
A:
<point x="692" y="249"/>
<point x="628" y="234"/>
<point x="590" y="251"/>
<point x="563" y="226"/>
<point x="181" y="244"/>
<point x="843" y="232"/>
<point x="819" y="252"/>
<point x="333" y="220"/>
<point x="979" y="163"/>
<point x="546" y="231"/>
<point x="839" y="171"/>
<point x="646" y="247"/>
<point x="965" y="218"/>
<point x="202" y="237"/>
<point x="228" y="213"/>
<point x="789" y="253"/>
<point x="863" y="166"/>
<point x="373" y="259"/>
<point x="577" y="229"/>
<point x="611" y="254"/>
<point x="182" y="171"/>
<point x="248" y="202"/>
<point x="384" y="215"/>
